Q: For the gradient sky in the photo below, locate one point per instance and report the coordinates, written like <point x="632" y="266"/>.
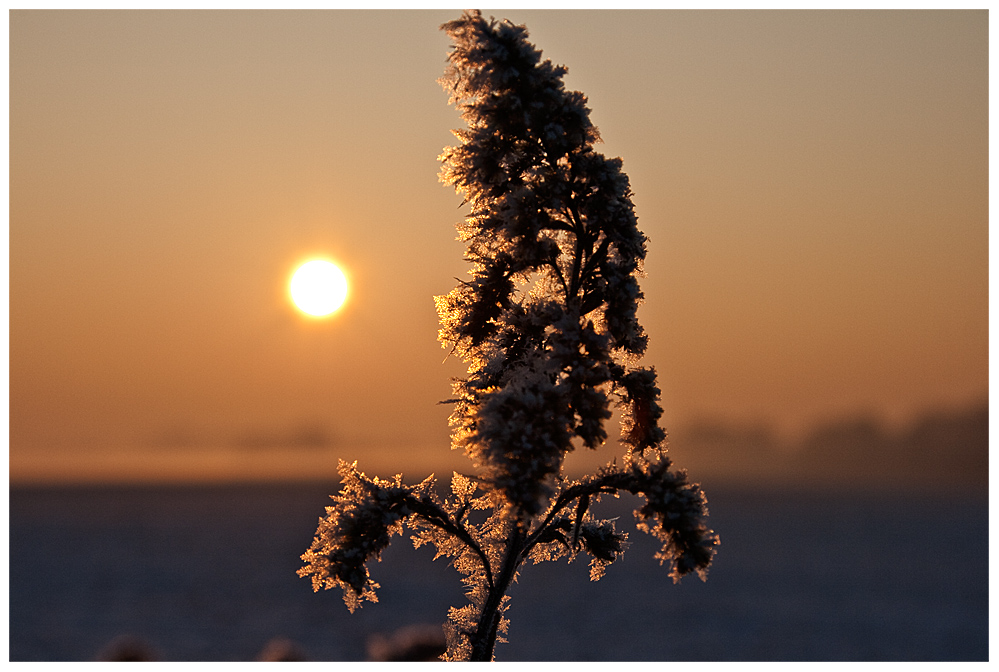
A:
<point x="814" y="186"/>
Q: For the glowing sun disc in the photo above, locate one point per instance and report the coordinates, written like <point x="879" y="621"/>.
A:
<point x="318" y="287"/>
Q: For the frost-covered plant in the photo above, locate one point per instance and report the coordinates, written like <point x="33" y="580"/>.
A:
<point x="547" y="325"/>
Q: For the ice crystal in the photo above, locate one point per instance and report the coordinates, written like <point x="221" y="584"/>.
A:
<point x="547" y="325"/>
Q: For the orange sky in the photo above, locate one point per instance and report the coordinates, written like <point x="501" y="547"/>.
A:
<point x="814" y="186"/>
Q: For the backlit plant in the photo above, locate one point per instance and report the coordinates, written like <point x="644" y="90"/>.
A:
<point x="547" y="325"/>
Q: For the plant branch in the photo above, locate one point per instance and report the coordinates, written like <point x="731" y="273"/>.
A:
<point x="603" y="484"/>
<point x="429" y="511"/>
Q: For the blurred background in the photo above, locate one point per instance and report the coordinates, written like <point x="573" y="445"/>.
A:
<point x="814" y="185"/>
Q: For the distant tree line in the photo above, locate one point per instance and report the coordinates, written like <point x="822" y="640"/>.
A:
<point x="952" y="446"/>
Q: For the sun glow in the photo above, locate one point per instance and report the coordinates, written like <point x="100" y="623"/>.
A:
<point x="318" y="288"/>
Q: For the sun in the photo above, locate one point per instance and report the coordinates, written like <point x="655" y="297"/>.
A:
<point x="318" y="287"/>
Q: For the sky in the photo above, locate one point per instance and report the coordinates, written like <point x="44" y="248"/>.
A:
<point x="814" y="186"/>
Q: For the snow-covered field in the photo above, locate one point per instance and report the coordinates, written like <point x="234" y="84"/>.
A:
<point x="208" y="573"/>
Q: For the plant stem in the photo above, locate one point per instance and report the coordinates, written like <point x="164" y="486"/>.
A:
<point x="484" y="639"/>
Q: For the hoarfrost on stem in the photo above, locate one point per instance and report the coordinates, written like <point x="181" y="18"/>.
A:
<point x="547" y="325"/>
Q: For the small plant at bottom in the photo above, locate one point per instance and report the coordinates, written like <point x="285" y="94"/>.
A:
<point x="547" y="325"/>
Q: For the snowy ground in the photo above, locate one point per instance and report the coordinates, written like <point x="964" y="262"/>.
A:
<point x="209" y="574"/>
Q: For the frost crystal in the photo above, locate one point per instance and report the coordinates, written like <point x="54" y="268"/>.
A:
<point x="547" y="325"/>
